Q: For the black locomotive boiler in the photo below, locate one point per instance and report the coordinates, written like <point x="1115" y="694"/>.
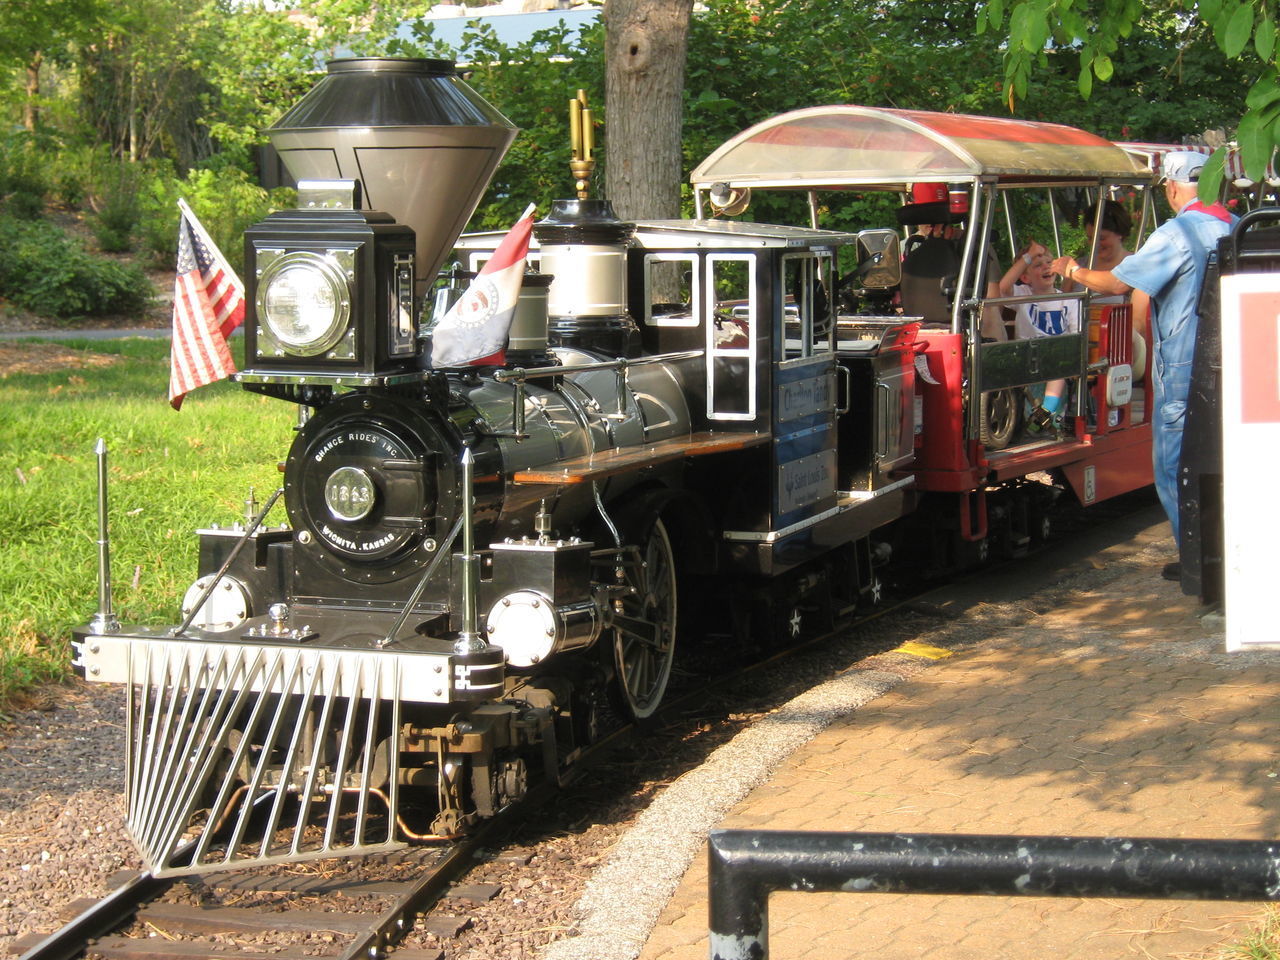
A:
<point x="684" y="442"/>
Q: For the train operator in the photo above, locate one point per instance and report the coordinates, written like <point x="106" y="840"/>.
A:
<point x="1169" y="268"/>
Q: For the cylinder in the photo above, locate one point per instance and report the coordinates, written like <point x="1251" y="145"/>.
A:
<point x="528" y="335"/>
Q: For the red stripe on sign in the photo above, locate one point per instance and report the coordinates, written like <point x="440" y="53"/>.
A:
<point x="1260" y="357"/>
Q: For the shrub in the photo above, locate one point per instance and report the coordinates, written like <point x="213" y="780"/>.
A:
<point x="24" y="204"/>
<point x="22" y="180"/>
<point x="71" y="172"/>
<point x="116" y="204"/>
<point x="226" y="201"/>
<point x="47" y="272"/>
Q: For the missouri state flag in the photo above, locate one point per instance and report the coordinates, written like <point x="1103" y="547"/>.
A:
<point x="208" y="304"/>
<point x="474" y="330"/>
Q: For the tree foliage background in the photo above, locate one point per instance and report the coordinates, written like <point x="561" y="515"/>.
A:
<point x="178" y="86"/>
<point x="1211" y="62"/>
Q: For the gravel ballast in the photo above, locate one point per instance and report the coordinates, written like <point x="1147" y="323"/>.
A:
<point x="61" y="806"/>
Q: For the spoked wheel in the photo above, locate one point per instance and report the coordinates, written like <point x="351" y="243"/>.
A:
<point x="644" y="629"/>
<point x="1042" y="526"/>
<point x="973" y="553"/>
<point x="1001" y="411"/>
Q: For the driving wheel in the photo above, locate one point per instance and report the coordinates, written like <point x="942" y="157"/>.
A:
<point x="644" y="626"/>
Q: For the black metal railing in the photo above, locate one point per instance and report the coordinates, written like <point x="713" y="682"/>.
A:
<point x="746" y="865"/>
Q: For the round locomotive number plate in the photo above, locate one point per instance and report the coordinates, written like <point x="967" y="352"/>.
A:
<point x="348" y="493"/>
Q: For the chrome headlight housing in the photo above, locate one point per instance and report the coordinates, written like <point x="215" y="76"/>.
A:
<point x="331" y="290"/>
<point x="304" y="302"/>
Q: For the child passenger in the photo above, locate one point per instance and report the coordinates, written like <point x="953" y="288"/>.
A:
<point x="1031" y="275"/>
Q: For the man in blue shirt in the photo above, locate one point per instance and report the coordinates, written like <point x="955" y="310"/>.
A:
<point x="1169" y="268"/>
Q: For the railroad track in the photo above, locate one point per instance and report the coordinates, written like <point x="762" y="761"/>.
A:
<point x="356" y="909"/>
<point x="301" y="910"/>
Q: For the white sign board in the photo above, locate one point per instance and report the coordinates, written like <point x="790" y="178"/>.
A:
<point x="1251" y="457"/>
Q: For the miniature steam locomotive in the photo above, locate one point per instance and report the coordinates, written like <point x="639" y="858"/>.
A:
<point x="686" y="439"/>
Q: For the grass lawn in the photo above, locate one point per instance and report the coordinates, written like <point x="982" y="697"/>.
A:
<point x="170" y="473"/>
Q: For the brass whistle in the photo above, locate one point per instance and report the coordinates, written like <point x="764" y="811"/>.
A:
<point x="582" y="144"/>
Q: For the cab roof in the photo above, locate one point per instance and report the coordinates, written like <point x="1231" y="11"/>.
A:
<point x="696" y="233"/>
<point x="851" y="146"/>
<point x="734" y="233"/>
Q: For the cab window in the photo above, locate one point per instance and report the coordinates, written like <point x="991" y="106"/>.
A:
<point x="806" y="305"/>
<point x="733" y="312"/>
<point x="671" y="289"/>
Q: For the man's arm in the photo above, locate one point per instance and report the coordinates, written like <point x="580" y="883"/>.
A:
<point x="1099" y="281"/>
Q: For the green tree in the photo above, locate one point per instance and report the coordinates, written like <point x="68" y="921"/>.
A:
<point x="751" y="59"/>
<point x="1097" y="34"/>
<point x="33" y="32"/>
<point x="257" y="63"/>
<point x="259" y="59"/>
<point x="138" y="88"/>
<point x="531" y="83"/>
<point x="1170" y="82"/>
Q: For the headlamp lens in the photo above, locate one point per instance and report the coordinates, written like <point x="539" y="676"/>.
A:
<point x="303" y="302"/>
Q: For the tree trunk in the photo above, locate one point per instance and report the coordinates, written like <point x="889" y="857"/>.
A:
<point x="31" y="109"/>
<point x="133" y="113"/>
<point x="644" y="83"/>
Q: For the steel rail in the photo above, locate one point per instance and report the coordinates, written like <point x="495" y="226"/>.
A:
<point x="395" y="922"/>
<point x="109" y="913"/>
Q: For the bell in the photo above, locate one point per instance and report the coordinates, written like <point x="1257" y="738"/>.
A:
<point x="729" y="201"/>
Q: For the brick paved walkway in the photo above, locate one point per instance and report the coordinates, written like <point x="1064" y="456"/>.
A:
<point x="1118" y="715"/>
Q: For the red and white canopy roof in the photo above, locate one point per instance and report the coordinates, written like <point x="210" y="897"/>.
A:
<point x="848" y="146"/>
<point x="1150" y="156"/>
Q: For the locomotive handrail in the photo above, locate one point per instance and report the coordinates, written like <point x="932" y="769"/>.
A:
<point x="519" y="374"/>
<point x="745" y="865"/>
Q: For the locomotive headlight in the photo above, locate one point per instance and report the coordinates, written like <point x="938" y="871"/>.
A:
<point x="304" y="302"/>
<point x="332" y="294"/>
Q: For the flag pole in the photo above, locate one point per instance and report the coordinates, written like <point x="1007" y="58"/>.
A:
<point x="198" y="227"/>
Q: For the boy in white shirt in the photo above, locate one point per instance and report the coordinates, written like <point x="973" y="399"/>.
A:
<point x="1031" y="274"/>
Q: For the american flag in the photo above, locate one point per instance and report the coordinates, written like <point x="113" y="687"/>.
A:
<point x="208" y="303"/>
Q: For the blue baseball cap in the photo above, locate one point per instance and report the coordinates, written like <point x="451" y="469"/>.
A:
<point x="1182" y="166"/>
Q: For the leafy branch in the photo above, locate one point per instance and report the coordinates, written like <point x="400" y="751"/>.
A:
<point x="1095" y="31"/>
